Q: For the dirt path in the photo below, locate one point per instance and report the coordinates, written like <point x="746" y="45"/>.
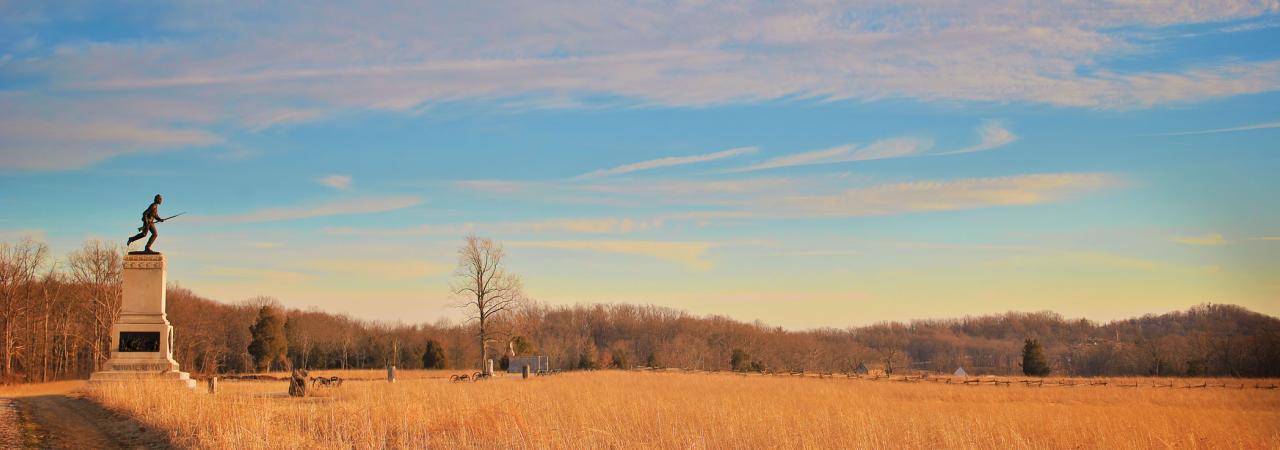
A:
<point x="70" y="421"/>
<point x="11" y="434"/>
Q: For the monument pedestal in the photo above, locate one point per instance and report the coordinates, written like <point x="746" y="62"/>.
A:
<point x="142" y="339"/>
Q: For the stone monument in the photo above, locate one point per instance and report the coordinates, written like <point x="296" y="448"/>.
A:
<point x="142" y="339"/>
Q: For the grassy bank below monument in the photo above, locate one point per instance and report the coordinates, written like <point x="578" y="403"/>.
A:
<point x="614" y="409"/>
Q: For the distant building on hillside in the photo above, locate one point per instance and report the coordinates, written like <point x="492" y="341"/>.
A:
<point x="861" y="369"/>
<point x="960" y="372"/>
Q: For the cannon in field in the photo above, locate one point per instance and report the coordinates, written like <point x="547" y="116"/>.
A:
<point x="326" y="381"/>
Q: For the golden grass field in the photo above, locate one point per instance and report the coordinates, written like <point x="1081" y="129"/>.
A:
<point x="614" y="409"/>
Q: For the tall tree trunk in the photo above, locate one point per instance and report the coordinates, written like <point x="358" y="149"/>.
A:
<point x="8" y="349"/>
<point x="484" y="349"/>
<point x="44" y="346"/>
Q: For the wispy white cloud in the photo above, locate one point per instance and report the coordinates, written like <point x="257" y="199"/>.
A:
<point x="945" y="195"/>
<point x="604" y="225"/>
<point x="704" y="216"/>
<point x="54" y="144"/>
<point x="669" y="162"/>
<point x="1253" y="26"/>
<point x="680" y="188"/>
<point x="595" y="226"/>
<point x="1259" y="126"/>
<point x="689" y="254"/>
<point x="1207" y="239"/>
<point x="377" y="268"/>
<point x="1267" y="238"/>
<point x="498" y="186"/>
<point x="824" y="195"/>
<point x="340" y="182"/>
<point x="262" y="119"/>
<point x="629" y="192"/>
<point x="992" y="135"/>
<point x="1018" y="53"/>
<point x="884" y="149"/>
<point x="420" y="230"/>
<point x="1238" y="28"/>
<point x="257" y="275"/>
<point x="399" y="58"/>
<point x="337" y="208"/>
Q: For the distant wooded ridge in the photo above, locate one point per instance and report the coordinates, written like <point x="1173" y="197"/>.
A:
<point x="55" y="324"/>
<point x="1205" y="340"/>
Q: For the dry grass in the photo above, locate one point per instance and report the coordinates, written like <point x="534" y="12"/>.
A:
<point x="372" y="374"/>
<point x="35" y="389"/>
<point x="673" y="410"/>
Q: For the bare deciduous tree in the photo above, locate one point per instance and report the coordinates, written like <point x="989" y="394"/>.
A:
<point x="50" y="295"/>
<point x="97" y="267"/>
<point x="19" y="265"/>
<point x="486" y="289"/>
<point x="889" y="340"/>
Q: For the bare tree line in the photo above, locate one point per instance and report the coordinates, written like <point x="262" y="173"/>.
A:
<point x="55" y="318"/>
<point x="1206" y="340"/>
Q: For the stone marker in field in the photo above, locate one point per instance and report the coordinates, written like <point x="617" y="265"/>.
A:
<point x="298" y="383"/>
<point x="141" y="338"/>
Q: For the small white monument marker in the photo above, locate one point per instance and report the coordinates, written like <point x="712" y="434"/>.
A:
<point x="142" y="339"/>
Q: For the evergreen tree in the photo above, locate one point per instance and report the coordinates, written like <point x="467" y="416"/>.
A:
<point x="433" y="356"/>
<point x="522" y="347"/>
<point x="587" y="360"/>
<point x="1033" y="362"/>
<point x="269" y="342"/>
<point x="739" y="361"/>
<point x="619" y="359"/>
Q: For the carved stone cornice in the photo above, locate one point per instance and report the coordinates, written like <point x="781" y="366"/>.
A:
<point x="144" y="262"/>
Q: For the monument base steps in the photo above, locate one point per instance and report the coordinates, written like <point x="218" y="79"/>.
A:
<point x="113" y="376"/>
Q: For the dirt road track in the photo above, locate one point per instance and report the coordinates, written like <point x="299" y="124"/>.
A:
<point x="11" y="434"/>
<point x="70" y="421"/>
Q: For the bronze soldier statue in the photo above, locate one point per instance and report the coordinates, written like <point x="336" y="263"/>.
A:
<point x="149" y="219"/>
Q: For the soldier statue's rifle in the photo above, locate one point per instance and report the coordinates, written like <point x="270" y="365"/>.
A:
<point x="166" y="218"/>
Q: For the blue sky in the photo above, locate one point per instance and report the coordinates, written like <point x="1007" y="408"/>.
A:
<point x="807" y="164"/>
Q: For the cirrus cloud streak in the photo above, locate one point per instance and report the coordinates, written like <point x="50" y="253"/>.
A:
<point x="689" y="254"/>
<point x="226" y="72"/>
<point x="670" y="161"/>
<point x="336" y="208"/>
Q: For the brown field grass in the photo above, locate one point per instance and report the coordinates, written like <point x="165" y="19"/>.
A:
<point x="373" y="374"/>
<point x="34" y="389"/>
<point x="612" y="409"/>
